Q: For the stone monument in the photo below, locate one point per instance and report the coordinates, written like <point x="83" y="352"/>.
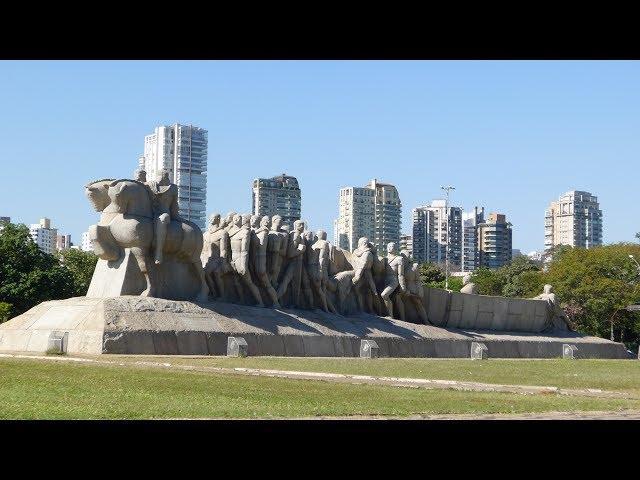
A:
<point x="162" y="286"/>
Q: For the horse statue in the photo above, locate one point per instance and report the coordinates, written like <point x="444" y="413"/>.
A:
<point x="127" y="221"/>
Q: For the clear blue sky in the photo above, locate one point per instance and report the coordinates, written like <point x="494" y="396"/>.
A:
<point x="510" y="136"/>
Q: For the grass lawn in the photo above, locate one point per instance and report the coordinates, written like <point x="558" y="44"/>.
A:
<point x="60" y="390"/>
<point x="620" y="375"/>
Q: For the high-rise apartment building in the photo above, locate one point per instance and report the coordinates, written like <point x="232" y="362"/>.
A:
<point x="279" y="195"/>
<point x="470" y="221"/>
<point x="63" y="242"/>
<point x="181" y="149"/>
<point x="575" y="219"/>
<point x="373" y="211"/>
<point x="44" y="235"/>
<point x="406" y="243"/>
<point x="86" y="245"/>
<point x="494" y="241"/>
<point x="434" y="227"/>
<point x="5" y="219"/>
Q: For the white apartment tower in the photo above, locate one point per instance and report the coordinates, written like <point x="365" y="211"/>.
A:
<point x="44" y="236"/>
<point x="86" y="246"/>
<point x="406" y="243"/>
<point x="278" y="195"/>
<point x="181" y="149"/>
<point x="372" y="211"/>
<point x="433" y="229"/>
<point x="575" y="219"/>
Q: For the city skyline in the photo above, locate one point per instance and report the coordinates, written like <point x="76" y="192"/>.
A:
<point x="511" y="136"/>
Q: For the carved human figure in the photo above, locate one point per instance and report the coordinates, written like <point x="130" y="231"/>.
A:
<point x="557" y="318"/>
<point x="240" y="240"/>
<point x="140" y="175"/>
<point x="324" y="260"/>
<point x="276" y="249"/>
<point x="165" y="209"/>
<point x="415" y="291"/>
<point x="254" y="222"/>
<point x="259" y="251"/>
<point x="467" y="285"/>
<point x="363" y="257"/>
<point x="215" y="253"/>
<point x="394" y="279"/>
<point x="313" y="270"/>
<point x="293" y="270"/>
<point x="228" y="220"/>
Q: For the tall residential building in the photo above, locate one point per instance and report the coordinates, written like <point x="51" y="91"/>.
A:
<point x="181" y="149"/>
<point x="44" y="236"/>
<point x="5" y="219"/>
<point x="494" y="241"/>
<point x="279" y="195"/>
<point x="575" y="219"/>
<point x="435" y="226"/>
<point x="470" y="221"/>
<point x="372" y="211"/>
<point x="63" y="242"/>
<point x="86" y="245"/>
<point x="406" y="243"/>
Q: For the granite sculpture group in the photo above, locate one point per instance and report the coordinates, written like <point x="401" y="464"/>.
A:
<point x="244" y="259"/>
<point x="162" y="286"/>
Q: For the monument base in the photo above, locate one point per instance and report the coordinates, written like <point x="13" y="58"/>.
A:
<point x="152" y="326"/>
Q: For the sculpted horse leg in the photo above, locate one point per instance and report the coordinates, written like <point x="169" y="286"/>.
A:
<point x="140" y="255"/>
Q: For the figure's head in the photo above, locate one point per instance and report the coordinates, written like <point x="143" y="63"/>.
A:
<point x="298" y="226"/>
<point x="276" y="222"/>
<point x="163" y="176"/>
<point x="237" y="220"/>
<point x="265" y="221"/>
<point x="466" y="278"/>
<point x="548" y="289"/>
<point x="406" y="254"/>
<point x="254" y="221"/>
<point x="214" y="220"/>
<point x="229" y="217"/>
<point x="362" y="242"/>
<point x="140" y="175"/>
<point x="322" y="235"/>
<point x="285" y="228"/>
<point x="246" y="220"/>
<point x="308" y="236"/>
<point x="391" y="247"/>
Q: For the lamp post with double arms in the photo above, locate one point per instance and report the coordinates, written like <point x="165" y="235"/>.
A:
<point x="447" y="189"/>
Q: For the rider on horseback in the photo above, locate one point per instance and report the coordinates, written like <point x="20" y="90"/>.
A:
<point x="165" y="208"/>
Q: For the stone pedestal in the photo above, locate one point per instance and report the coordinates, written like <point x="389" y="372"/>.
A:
<point x="176" y="280"/>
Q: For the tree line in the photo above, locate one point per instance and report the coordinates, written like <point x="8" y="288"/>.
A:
<point x="29" y="276"/>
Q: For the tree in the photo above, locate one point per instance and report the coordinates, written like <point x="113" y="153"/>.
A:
<point x="81" y="264"/>
<point x="487" y="281"/>
<point x="595" y="285"/>
<point x="28" y="276"/>
<point x="433" y="276"/>
<point x="638" y="236"/>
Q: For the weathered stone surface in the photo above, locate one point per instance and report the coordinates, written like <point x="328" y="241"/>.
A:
<point x="136" y="325"/>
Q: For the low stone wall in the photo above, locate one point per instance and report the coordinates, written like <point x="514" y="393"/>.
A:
<point x="483" y="312"/>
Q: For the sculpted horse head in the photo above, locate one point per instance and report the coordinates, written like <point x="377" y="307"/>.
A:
<point x="97" y="193"/>
<point x="120" y="196"/>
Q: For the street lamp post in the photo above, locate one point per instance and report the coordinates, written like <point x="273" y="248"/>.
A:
<point x="447" y="189"/>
